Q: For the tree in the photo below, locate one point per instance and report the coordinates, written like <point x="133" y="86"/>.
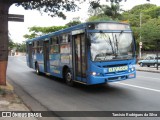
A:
<point x="38" y="31"/>
<point x="52" y="7"/>
<point x="99" y="18"/>
<point x="150" y="33"/>
<point x="4" y="6"/>
<point x="112" y="11"/>
<point x="148" y="11"/>
<point x="75" y="21"/>
<point x="105" y="12"/>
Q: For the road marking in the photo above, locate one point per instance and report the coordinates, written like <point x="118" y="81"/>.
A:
<point x="149" y="77"/>
<point x="140" y="87"/>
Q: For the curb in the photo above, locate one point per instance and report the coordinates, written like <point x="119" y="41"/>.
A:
<point x="7" y="87"/>
<point x="148" y="71"/>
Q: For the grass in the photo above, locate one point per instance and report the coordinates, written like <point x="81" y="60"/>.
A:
<point x="2" y="92"/>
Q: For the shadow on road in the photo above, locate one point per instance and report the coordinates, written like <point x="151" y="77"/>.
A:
<point x="93" y="89"/>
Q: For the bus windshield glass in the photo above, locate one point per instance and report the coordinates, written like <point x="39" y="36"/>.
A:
<point x="111" y="46"/>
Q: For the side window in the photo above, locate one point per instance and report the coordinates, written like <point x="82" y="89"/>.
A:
<point x="65" y="43"/>
<point x="69" y="37"/>
<point x="41" y="43"/>
<point x="65" y="48"/>
<point x="65" y="38"/>
<point x="54" y="45"/>
<point x="54" y="40"/>
<point x="34" y="49"/>
<point x="54" y="49"/>
<point x="39" y="46"/>
<point x="33" y="44"/>
<point x="41" y="50"/>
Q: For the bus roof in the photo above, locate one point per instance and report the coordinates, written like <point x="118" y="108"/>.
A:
<point x="76" y="27"/>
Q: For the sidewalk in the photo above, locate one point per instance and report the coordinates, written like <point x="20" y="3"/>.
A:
<point x="9" y="101"/>
<point x="147" y="69"/>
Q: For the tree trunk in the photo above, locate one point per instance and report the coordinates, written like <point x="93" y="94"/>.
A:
<point x="4" y="7"/>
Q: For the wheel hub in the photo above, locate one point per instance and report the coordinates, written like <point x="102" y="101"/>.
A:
<point x="69" y="77"/>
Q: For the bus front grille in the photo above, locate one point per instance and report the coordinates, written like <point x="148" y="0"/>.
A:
<point x="117" y="78"/>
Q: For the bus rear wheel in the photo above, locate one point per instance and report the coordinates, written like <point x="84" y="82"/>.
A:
<point x="37" y="69"/>
<point x="68" y="78"/>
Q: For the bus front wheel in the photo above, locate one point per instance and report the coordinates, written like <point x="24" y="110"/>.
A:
<point x="68" y="78"/>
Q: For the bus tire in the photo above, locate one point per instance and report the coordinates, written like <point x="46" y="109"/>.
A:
<point x="68" y="77"/>
<point x="37" y="69"/>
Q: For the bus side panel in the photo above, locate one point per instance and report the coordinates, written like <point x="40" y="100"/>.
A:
<point x="27" y="60"/>
<point x="54" y="65"/>
<point x="40" y="60"/>
<point x="30" y="56"/>
<point x="65" y="60"/>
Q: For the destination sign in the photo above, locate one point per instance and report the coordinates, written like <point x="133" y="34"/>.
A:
<point x="108" y="26"/>
<point x="117" y="69"/>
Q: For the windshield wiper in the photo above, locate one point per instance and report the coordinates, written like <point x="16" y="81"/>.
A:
<point x="116" y="45"/>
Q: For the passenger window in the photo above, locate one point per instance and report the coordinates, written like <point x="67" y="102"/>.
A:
<point x="54" y="45"/>
<point x="54" y="49"/>
<point x="54" y="40"/>
<point x="65" y="38"/>
<point x="65" y="48"/>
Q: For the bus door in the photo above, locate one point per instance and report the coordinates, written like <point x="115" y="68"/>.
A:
<point x="79" y="57"/>
<point x="46" y="55"/>
<point x="30" y="56"/>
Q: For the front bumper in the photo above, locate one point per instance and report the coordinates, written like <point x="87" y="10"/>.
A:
<point x="107" y="78"/>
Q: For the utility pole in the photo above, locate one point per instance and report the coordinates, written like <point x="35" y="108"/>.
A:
<point x="4" y="18"/>
<point x="140" y="43"/>
<point x="158" y="43"/>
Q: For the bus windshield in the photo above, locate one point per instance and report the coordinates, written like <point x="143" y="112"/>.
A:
<point x="111" y="46"/>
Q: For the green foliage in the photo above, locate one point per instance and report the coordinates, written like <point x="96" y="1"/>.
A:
<point x="11" y="44"/>
<point x="46" y="30"/>
<point x="112" y="11"/>
<point x="150" y="33"/>
<point x="154" y="12"/>
<point x="57" y="7"/>
<point x="72" y="23"/>
<point x="52" y="7"/>
<point x="150" y="24"/>
<point x="141" y="8"/>
<point x="21" y="47"/>
<point x="148" y="11"/>
<point x="99" y="18"/>
<point x="32" y="35"/>
<point x="2" y="91"/>
<point x="38" y="31"/>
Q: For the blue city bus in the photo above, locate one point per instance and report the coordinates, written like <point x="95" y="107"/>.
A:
<point x="89" y="53"/>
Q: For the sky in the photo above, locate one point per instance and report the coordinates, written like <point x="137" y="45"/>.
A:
<point x="35" y="18"/>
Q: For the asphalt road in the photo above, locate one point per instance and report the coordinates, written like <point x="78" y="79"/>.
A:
<point x="140" y="94"/>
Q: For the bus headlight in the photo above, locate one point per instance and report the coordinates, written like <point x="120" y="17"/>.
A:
<point x="95" y="74"/>
<point x="131" y="68"/>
